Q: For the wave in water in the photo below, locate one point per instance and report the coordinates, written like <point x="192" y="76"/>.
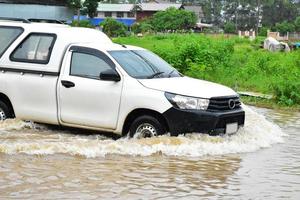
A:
<point x="17" y="136"/>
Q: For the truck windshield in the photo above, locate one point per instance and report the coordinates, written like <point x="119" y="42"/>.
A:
<point x="143" y="64"/>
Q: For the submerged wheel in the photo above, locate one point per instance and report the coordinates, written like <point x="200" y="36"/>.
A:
<point x="146" y="126"/>
<point x="4" y="111"/>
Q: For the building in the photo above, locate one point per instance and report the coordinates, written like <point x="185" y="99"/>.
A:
<point x="148" y="9"/>
<point x="197" y="10"/>
<point x="125" y="13"/>
<point x="38" y="9"/>
<point x="129" y="13"/>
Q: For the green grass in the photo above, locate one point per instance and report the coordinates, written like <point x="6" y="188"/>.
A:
<point x="237" y="63"/>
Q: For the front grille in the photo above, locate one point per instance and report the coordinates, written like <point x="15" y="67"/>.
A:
<point x="224" y="103"/>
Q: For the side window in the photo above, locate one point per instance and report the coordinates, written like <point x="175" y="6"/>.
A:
<point x="87" y="65"/>
<point x="36" y="48"/>
<point x="120" y="14"/>
<point x="107" y="14"/>
<point x="7" y="36"/>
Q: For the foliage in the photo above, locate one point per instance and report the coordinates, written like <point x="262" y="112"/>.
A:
<point x="287" y="92"/>
<point x="284" y="27"/>
<point x="243" y="13"/>
<point x="297" y="24"/>
<point x="82" y="23"/>
<point x="173" y="19"/>
<point x="263" y="31"/>
<point x="229" y="27"/>
<point x="91" y="7"/>
<point x="113" y="28"/>
<point x="212" y="11"/>
<point x="75" y="4"/>
<point x="230" y="61"/>
<point x="246" y="14"/>
<point x="142" y="27"/>
<point x="276" y="11"/>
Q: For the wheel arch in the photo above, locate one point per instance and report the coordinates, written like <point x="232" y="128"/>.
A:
<point x="7" y="101"/>
<point x="140" y="112"/>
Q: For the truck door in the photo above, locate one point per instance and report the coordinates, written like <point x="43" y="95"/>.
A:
<point x="84" y="99"/>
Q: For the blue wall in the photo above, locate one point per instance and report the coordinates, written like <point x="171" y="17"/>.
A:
<point x="97" y="21"/>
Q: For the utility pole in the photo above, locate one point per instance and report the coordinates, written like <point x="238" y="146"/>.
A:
<point x="236" y="15"/>
<point x="258" y="15"/>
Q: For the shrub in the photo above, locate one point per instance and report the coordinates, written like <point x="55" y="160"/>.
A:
<point x="113" y="28"/>
<point x="286" y="91"/>
<point x="229" y="27"/>
<point x="82" y="23"/>
<point x="173" y="19"/>
<point x="142" y="27"/>
<point x="297" y="24"/>
<point x="263" y="31"/>
<point x="136" y="28"/>
<point x="284" y="27"/>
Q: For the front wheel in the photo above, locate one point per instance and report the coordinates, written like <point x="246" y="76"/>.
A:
<point x="146" y="126"/>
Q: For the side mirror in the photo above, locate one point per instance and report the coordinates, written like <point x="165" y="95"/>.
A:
<point x="110" y="75"/>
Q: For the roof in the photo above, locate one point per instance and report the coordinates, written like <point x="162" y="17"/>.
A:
<point x="196" y="9"/>
<point x="159" y="6"/>
<point x="105" y="7"/>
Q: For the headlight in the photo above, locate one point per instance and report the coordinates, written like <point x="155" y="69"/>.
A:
<point x="185" y="102"/>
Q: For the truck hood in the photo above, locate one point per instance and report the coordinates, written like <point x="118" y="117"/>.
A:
<point x="188" y="87"/>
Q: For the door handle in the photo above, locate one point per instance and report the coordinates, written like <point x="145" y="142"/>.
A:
<point x="67" y="84"/>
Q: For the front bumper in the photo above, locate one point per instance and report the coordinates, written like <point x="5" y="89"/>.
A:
<point x="191" y="121"/>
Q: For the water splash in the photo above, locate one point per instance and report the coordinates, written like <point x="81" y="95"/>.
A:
<point x="17" y="136"/>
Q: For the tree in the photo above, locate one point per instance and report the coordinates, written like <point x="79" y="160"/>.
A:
<point x="277" y="11"/>
<point x="76" y="5"/>
<point x="245" y="14"/>
<point x="173" y="19"/>
<point x="113" y="28"/>
<point x="285" y="27"/>
<point x="212" y="10"/>
<point x="229" y="27"/>
<point x="297" y="24"/>
<point x="91" y="7"/>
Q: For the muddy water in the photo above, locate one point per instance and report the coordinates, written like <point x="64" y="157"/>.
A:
<point x="262" y="161"/>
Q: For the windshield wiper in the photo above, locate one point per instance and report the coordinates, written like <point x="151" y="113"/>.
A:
<point x="169" y="75"/>
<point x="155" y="74"/>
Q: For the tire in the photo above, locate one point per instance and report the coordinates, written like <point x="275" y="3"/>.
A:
<point x="4" y="111"/>
<point x="146" y="126"/>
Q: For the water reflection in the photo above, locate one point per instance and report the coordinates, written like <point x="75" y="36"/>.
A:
<point x="114" y="176"/>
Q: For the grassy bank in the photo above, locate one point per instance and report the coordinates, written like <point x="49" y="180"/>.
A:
<point x="235" y="62"/>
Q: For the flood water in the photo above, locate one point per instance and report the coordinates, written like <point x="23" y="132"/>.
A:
<point x="262" y="161"/>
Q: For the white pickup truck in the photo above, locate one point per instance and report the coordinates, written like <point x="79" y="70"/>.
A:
<point x="78" y="77"/>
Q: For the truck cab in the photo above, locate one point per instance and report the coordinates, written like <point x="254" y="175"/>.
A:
<point x="78" y="77"/>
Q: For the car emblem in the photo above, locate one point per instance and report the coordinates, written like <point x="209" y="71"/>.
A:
<point x="231" y="104"/>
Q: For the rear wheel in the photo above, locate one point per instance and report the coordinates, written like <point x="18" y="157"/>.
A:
<point x="4" y="111"/>
<point x="146" y="126"/>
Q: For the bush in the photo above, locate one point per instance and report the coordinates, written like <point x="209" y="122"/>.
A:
<point x="287" y="91"/>
<point x="263" y="31"/>
<point x="113" y="28"/>
<point x="297" y="24"/>
<point x="229" y="27"/>
<point x="82" y="23"/>
<point x="142" y="27"/>
<point x="173" y="19"/>
<point x="285" y="27"/>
